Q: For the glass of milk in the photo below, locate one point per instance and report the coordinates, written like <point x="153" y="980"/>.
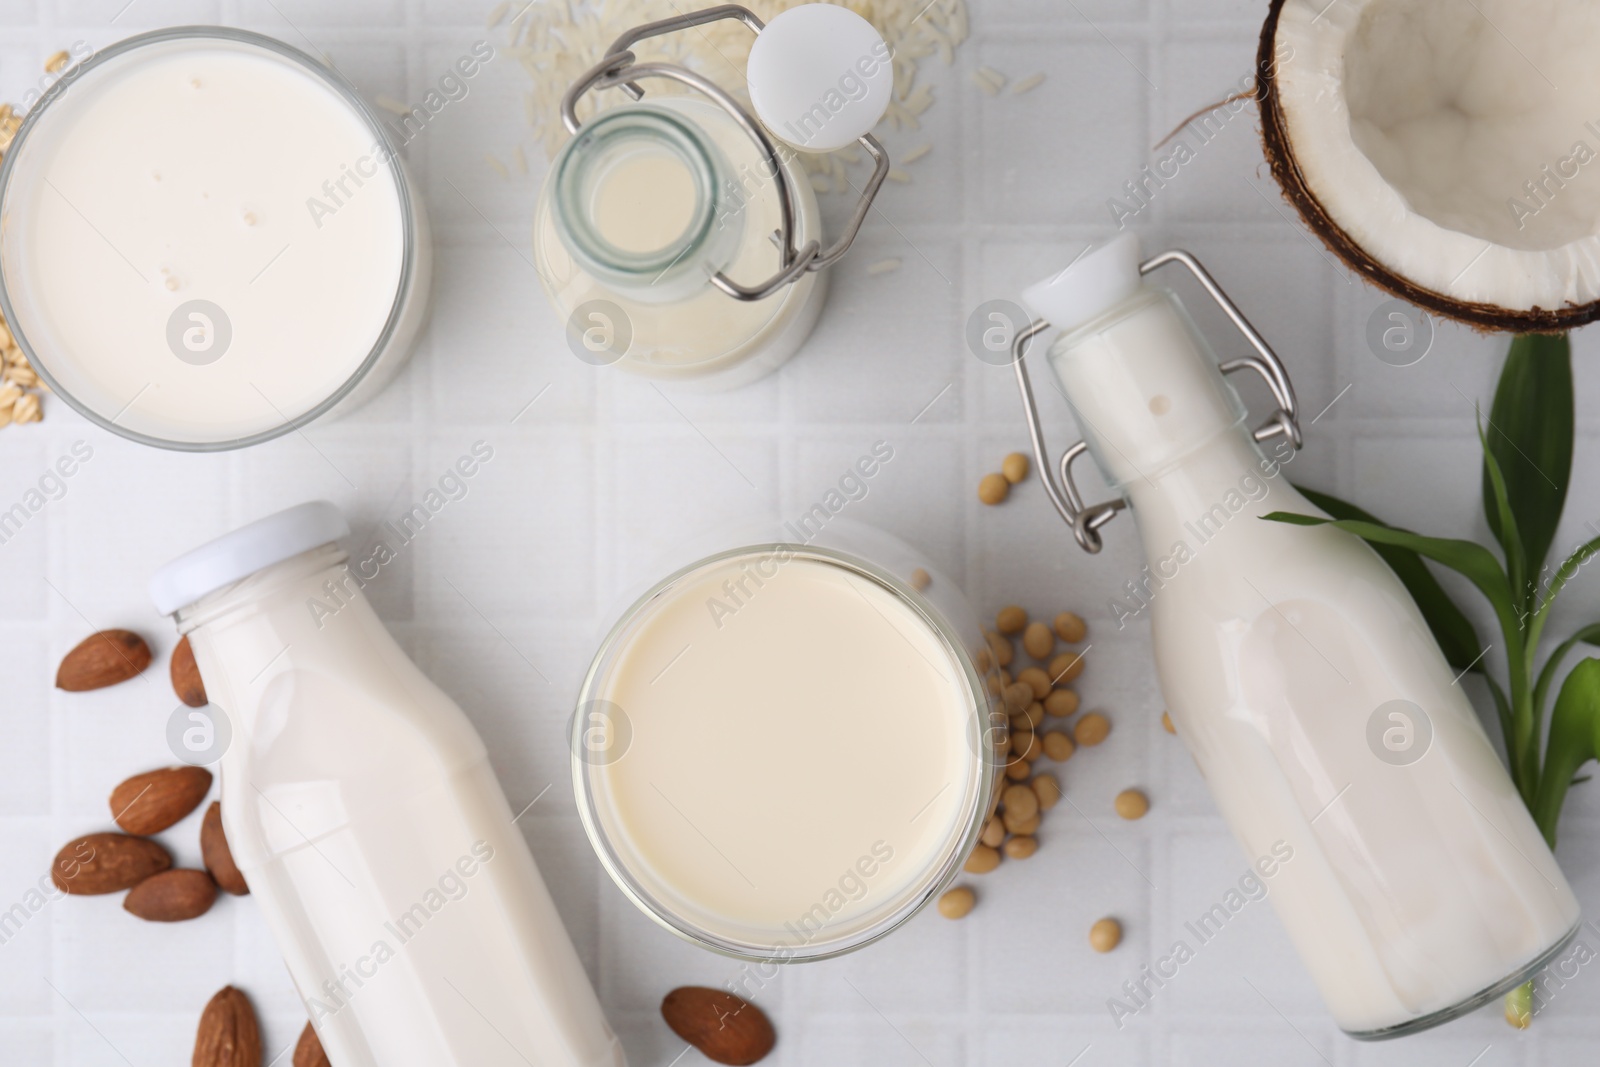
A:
<point x="209" y="241"/>
<point x="782" y="750"/>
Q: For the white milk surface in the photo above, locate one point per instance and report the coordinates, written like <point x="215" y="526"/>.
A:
<point x="185" y="172"/>
<point x="776" y="746"/>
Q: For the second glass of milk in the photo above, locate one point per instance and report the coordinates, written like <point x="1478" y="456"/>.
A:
<point x="784" y="749"/>
<point x="209" y="241"/>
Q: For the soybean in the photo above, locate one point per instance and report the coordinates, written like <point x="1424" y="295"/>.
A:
<point x="1038" y="640"/>
<point x="1002" y="649"/>
<point x="1058" y="746"/>
<point x="1011" y="620"/>
<point x="993" y="489"/>
<point x="994" y="832"/>
<point x="1166" y="723"/>
<point x="1132" y="804"/>
<point x="1020" y="801"/>
<point x="1036" y="678"/>
<point x="957" y="903"/>
<point x="1105" y="935"/>
<point x="1021" y="846"/>
<point x="1065" y="668"/>
<point x="1047" y="789"/>
<point x="1014" y="467"/>
<point x="1018" y="825"/>
<point x="1091" y="729"/>
<point x="983" y="860"/>
<point x="1025" y="743"/>
<point x="1061" y="703"/>
<point x="1070" y="627"/>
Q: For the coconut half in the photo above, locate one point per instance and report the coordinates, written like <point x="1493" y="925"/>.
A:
<point x="1448" y="150"/>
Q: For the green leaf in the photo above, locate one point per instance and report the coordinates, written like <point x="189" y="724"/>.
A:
<point x="1530" y="436"/>
<point x="1509" y="532"/>
<point x="1457" y="637"/>
<point x="1589" y="634"/>
<point x="1574" y="740"/>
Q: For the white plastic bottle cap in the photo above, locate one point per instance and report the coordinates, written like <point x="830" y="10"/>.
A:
<point x="820" y="77"/>
<point x="1096" y="282"/>
<point x="246" y="550"/>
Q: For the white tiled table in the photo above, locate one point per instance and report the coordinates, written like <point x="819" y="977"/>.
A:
<point x="587" y="482"/>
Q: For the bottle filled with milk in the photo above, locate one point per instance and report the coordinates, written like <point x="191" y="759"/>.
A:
<point x="678" y="234"/>
<point x="1297" y="669"/>
<point x="360" y="806"/>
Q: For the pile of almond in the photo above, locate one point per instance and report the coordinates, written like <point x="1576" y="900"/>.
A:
<point x="145" y="805"/>
<point x="109" y="862"/>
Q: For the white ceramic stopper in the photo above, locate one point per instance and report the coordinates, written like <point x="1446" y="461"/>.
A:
<point x="240" y="554"/>
<point x="1091" y="285"/>
<point x="820" y="77"/>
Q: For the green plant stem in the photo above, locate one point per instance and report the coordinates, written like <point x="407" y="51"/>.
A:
<point x="1522" y="747"/>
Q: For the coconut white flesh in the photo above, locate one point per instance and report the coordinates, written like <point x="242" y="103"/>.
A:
<point x="1419" y="124"/>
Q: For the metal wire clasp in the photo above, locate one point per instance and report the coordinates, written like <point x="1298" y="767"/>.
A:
<point x="1086" y="519"/>
<point x="621" y="69"/>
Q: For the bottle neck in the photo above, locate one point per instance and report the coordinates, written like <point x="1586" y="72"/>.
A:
<point x="305" y="616"/>
<point x="1145" y="388"/>
<point x="639" y="199"/>
<point x="1229" y="478"/>
<point x="285" y="582"/>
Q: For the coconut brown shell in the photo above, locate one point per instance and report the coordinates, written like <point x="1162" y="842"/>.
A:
<point x="1279" y="149"/>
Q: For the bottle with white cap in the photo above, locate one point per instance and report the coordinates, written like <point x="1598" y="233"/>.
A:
<point x="1349" y="764"/>
<point x="360" y="807"/>
<point x="678" y="235"/>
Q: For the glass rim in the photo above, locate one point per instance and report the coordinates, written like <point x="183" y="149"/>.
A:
<point x="342" y="88"/>
<point x="911" y="900"/>
<point x="599" y="255"/>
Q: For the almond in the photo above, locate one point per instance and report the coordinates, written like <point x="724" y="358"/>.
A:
<point x="308" y="1051"/>
<point x="102" y="659"/>
<point x="186" y="676"/>
<point x="106" y="863"/>
<point x="216" y="854"/>
<point x="725" y="1028"/>
<point x="228" y="1035"/>
<point x="150" y="802"/>
<point x="172" y="896"/>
